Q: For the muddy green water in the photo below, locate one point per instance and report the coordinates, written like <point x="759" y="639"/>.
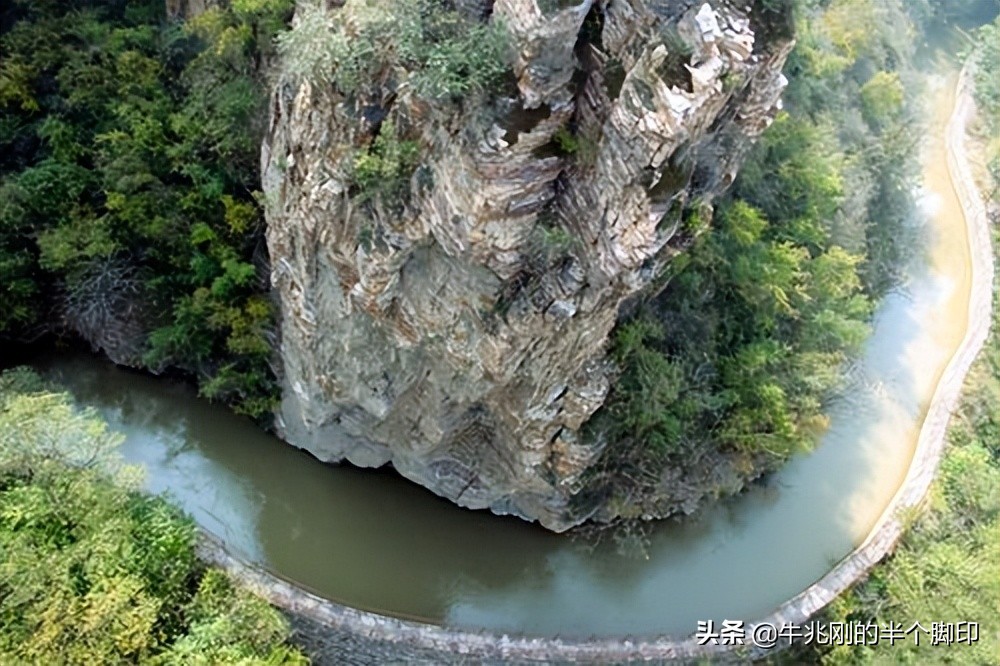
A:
<point x="376" y="542"/>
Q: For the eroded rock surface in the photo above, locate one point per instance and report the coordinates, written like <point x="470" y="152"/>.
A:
<point x="462" y="337"/>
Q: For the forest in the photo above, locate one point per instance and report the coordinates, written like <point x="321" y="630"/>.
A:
<point x="94" y="570"/>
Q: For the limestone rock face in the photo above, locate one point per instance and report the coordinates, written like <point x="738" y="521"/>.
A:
<point x="462" y="337"/>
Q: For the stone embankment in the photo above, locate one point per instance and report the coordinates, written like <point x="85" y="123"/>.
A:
<point x="339" y="634"/>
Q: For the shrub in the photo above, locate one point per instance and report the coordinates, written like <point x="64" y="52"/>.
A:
<point x="363" y="45"/>
<point x="386" y="167"/>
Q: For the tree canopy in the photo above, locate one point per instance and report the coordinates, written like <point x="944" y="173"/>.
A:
<point x="94" y="571"/>
<point x="128" y="177"/>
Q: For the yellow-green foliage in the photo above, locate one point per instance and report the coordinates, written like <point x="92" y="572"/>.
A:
<point x="92" y="571"/>
<point x="882" y="97"/>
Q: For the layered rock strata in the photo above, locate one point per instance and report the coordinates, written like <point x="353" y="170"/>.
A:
<point x="461" y="335"/>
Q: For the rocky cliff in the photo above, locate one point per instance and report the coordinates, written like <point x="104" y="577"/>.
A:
<point x="460" y="334"/>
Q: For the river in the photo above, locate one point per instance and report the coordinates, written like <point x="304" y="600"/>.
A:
<point x="374" y="541"/>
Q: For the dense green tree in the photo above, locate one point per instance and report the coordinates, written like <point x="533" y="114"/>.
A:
<point x="91" y="570"/>
<point x="130" y="142"/>
<point x="425" y="44"/>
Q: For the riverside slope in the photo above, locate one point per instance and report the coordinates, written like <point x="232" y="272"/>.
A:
<point x="443" y="338"/>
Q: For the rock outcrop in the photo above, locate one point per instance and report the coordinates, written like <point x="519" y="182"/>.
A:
<point x="461" y="336"/>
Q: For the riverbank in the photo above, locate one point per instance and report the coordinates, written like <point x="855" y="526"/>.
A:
<point x="946" y="564"/>
<point x="348" y="635"/>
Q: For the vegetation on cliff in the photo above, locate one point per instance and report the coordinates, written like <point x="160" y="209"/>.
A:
<point x="129" y="151"/>
<point x="725" y="372"/>
<point x="91" y="570"/>
<point x="425" y="43"/>
<point x="375" y="53"/>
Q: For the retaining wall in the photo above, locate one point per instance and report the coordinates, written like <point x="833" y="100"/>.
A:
<point x="338" y="634"/>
